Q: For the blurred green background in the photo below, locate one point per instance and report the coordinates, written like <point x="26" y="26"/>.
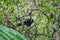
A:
<point x="45" y="13"/>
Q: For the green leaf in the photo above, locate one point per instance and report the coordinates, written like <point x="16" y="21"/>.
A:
<point x="9" y="33"/>
<point x="38" y="21"/>
<point x="4" y="36"/>
<point x="48" y="7"/>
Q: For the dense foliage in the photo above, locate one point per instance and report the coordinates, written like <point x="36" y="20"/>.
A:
<point x="45" y="15"/>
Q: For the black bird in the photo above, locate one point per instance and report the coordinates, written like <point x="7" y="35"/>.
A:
<point x="28" y="21"/>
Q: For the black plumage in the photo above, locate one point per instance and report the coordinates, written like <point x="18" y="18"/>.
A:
<point x="28" y="21"/>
